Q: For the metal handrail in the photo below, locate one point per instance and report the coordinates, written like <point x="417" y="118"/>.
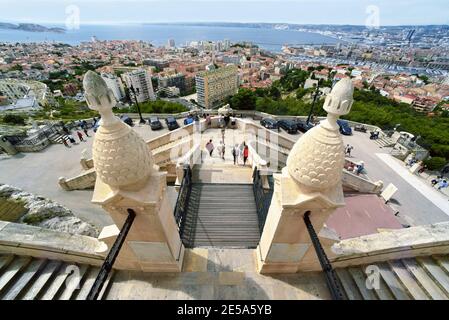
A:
<point x="182" y="201"/>
<point x="331" y="277"/>
<point x="110" y="259"/>
<point x="263" y="198"/>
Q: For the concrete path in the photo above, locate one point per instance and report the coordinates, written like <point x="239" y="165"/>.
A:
<point x="426" y="190"/>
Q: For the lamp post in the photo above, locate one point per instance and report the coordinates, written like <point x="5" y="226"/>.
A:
<point x="142" y="120"/>
<point x="315" y="97"/>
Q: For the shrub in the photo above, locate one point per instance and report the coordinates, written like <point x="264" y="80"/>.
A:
<point x="14" y="119"/>
<point x="435" y="163"/>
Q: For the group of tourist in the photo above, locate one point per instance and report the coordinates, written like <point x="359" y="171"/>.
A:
<point x="439" y="183"/>
<point x="238" y="151"/>
<point x="69" y="137"/>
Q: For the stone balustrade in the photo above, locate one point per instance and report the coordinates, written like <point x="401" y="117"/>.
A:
<point x="395" y="244"/>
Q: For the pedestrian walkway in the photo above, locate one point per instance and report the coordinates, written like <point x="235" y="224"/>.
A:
<point x="426" y="190"/>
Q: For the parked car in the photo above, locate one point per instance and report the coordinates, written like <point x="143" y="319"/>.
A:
<point x="345" y="129"/>
<point x="154" y="123"/>
<point x="188" y="120"/>
<point x="303" y="125"/>
<point x="127" y="120"/>
<point x="172" y="124"/>
<point x="360" y="128"/>
<point x="289" y="126"/>
<point x="269" y="123"/>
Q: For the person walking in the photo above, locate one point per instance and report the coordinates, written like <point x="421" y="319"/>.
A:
<point x="64" y="141"/>
<point x="210" y="147"/>
<point x="348" y="150"/>
<point x="235" y="153"/>
<point x="80" y="135"/>
<point x="222" y="149"/>
<point x="241" y="148"/>
<point x="245" y="154"/>
<point x="71" y="139"/>
<point x="86" y="132"/>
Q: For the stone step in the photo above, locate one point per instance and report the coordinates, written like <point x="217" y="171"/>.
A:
<point x="5" y="260"/>
<point x="24" y="280"/>
<point x="392" y="282"/>
<point x="88" y="283"/>
<point x="407" y="280"/>
<point x="11" y="270"/>
<point x="56" y="283"/>
<point x="73" y="285"/>
<point x="425" y="281"/>
<point x="360" y="280"/>
<point x="42" y="280"/>
<point x="440" y="277"/>
<point x="348" y="284"/>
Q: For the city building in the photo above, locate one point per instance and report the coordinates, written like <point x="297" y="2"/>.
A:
<point x="115" y="84"/>
<point x="216" y="85"/>
<point x="140" y="80"/>
<point x="177" y="80"/>
<point x="158" y="63"/>
<point x="171" y="43"/>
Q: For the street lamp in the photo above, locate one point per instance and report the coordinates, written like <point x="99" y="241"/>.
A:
<point x="135" y="92"/>
<point x="315" y="97"/>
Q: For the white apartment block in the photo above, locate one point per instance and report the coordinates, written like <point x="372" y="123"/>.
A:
<point x="115" y="84"/>
<point x="140" y="80"/>
<point x="215" y="86"/>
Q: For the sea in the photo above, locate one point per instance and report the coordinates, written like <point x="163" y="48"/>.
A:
<point x="269" y="39"/>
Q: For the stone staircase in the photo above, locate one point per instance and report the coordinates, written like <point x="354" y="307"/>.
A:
<point x="221" y="215"/>
<point x="385" y="142"/>
<point x="28" y="278"/>
<point x="421" y="278"/>
<point x="57" y="137"/>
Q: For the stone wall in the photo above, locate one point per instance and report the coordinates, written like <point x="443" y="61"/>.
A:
<point x="43" y="243"/>
<point x="395" y="244"/>
<point x="85" y="180"/>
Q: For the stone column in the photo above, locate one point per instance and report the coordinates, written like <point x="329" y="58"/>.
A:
<point x="128" y="179"/>
<point x="311" y="182"/>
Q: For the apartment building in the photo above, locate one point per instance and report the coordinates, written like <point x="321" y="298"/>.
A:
<point x="216" y="85"/>
<point x="140" y="80"/>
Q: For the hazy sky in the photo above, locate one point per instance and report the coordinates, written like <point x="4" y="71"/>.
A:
<point x="391" y="12"/>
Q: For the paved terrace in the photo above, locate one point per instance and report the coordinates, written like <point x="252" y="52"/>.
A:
<point x="39" y="172"/>
<point x="218" y="274"/>
<point x="412" y="201"/>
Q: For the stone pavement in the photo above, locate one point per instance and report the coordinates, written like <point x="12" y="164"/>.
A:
<point x="218" y="274"/>
<point x="38" y="173"/>
<point x="425" y="189"/>
<point x="414" y="208"/>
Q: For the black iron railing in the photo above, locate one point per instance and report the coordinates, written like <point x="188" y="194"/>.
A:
<point x="110" y="259"/>
<point x="182" y="202"/>
<point x="263" y="198"/>
<point x="331" y="277"/>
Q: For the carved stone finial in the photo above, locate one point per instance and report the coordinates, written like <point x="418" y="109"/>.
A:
<point x="122" y="159"/>
<point x="316" y="160"/>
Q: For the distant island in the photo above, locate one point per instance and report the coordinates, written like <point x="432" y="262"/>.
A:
<point x="30" y="27"/>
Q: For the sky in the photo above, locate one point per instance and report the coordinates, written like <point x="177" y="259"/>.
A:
<point x="354" y="12"/>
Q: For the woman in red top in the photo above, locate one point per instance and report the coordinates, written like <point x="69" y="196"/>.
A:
<point x="245" y="154"/>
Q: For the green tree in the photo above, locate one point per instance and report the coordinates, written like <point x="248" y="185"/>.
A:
<point x="14" y="119"/>
<point x="245" y="99"/>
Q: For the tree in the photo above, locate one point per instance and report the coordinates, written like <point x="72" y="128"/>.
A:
<point x="14" y="119"/>
<point x="245" y="99"/>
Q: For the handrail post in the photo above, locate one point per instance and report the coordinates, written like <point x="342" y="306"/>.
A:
<point x="110" y="259"/>
<point x="331" y="278"/>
